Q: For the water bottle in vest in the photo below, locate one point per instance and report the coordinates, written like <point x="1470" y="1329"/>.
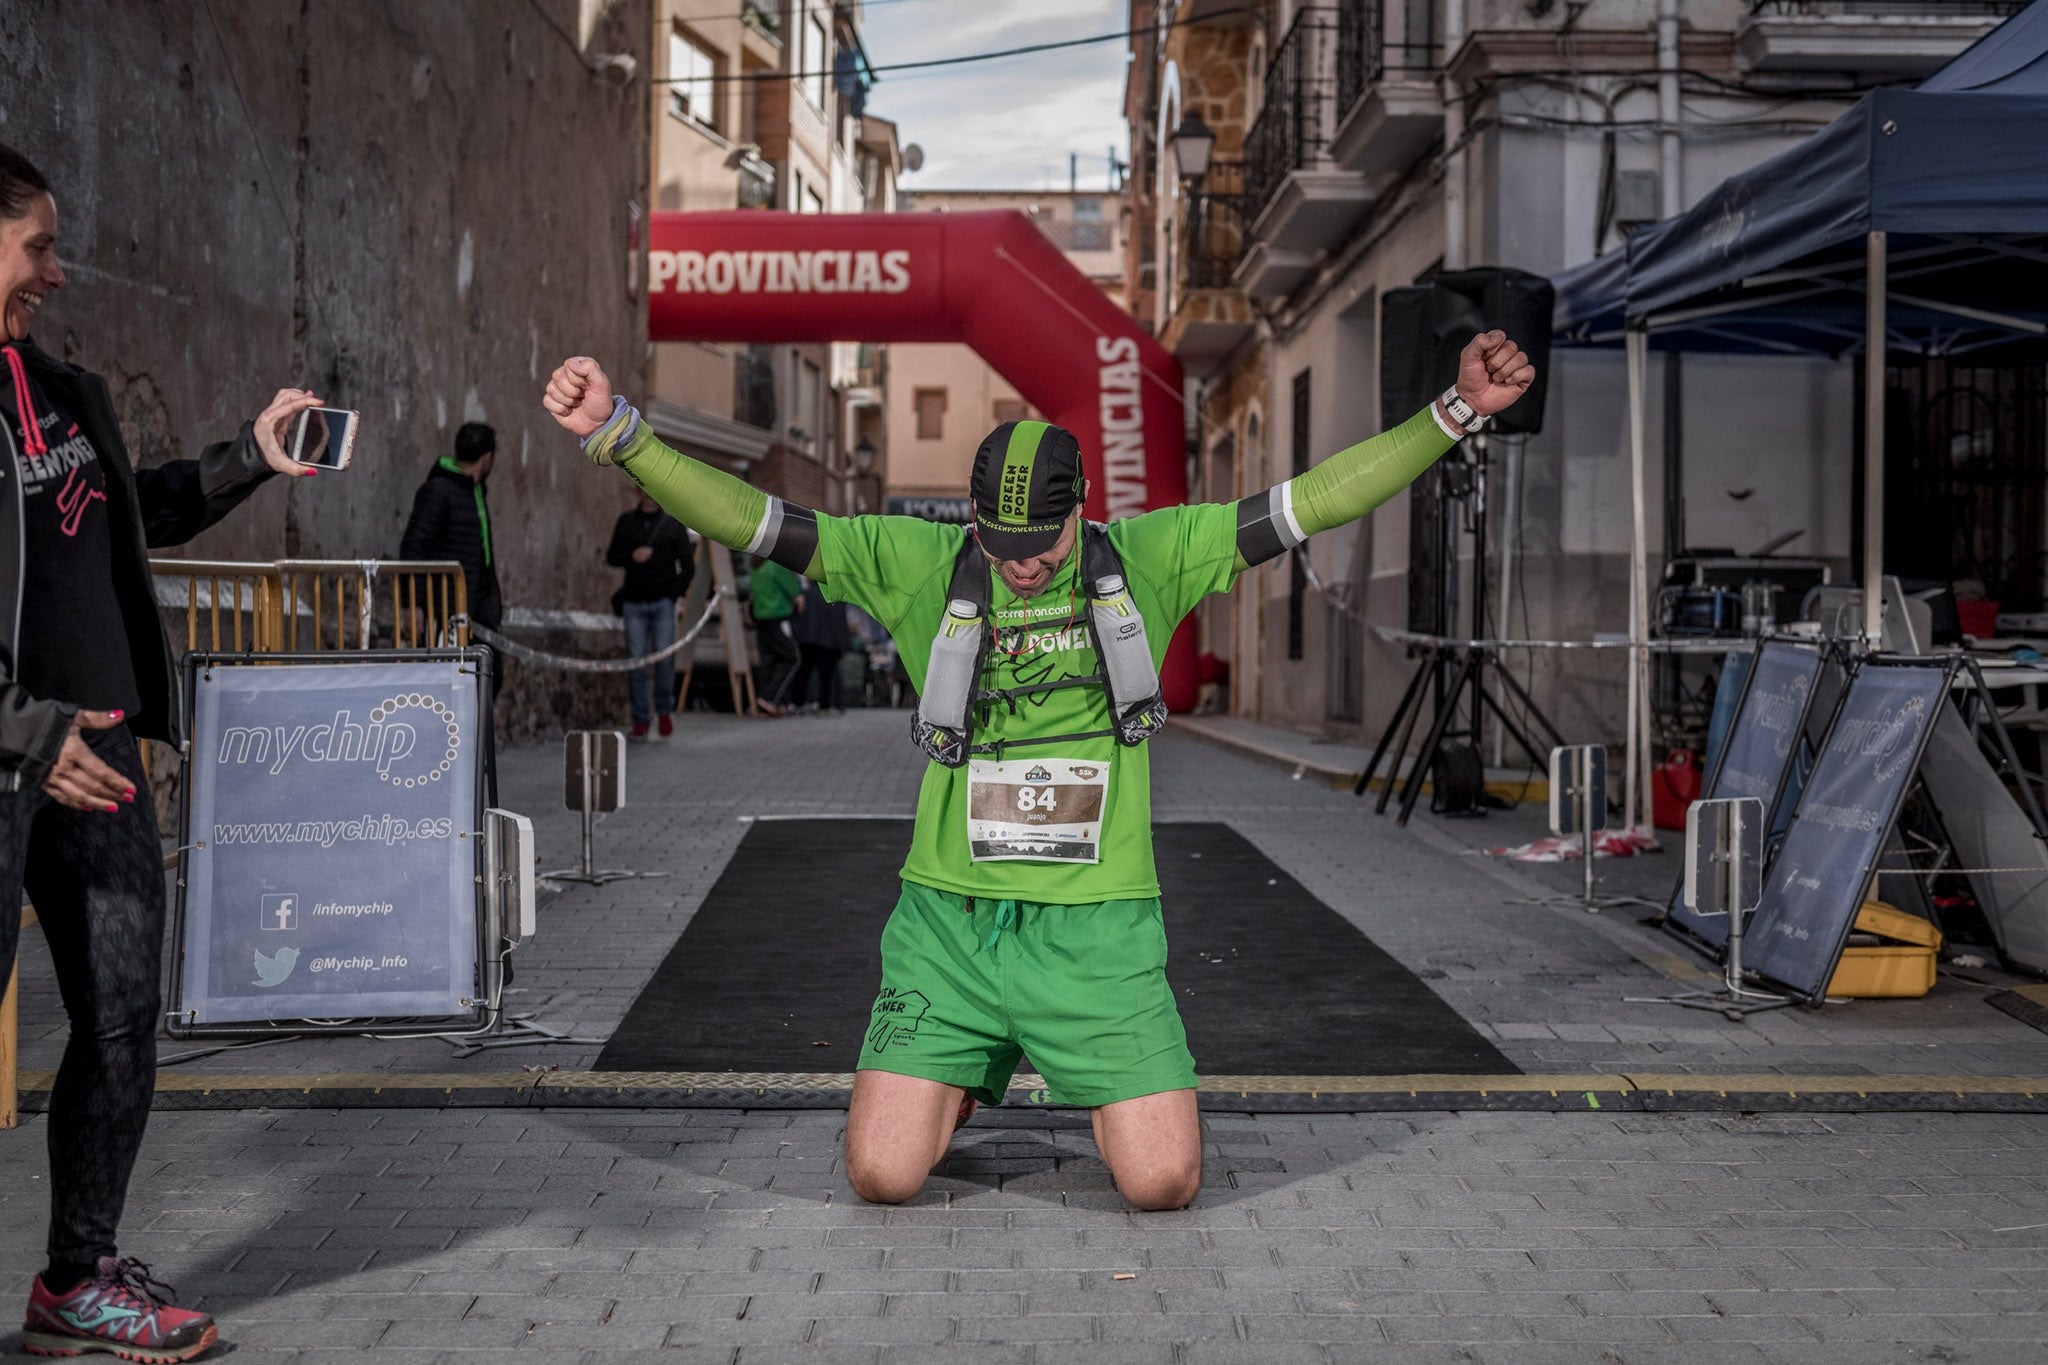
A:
<point x="940" y="725"/>
<point x="1136" y="708"/>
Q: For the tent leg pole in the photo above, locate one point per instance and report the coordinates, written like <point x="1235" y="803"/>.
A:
<point x="1636" y="783"/>
<point x="1873" y="438"/>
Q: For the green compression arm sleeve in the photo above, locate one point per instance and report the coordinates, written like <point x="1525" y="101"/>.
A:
<point x="1342" y="488"/>
<point x="708" y="501"/>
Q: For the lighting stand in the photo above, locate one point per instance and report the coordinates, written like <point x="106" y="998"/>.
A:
<point x="1458" y="672"/>
<point x="1578" y="805"/>
<point x="1723" y="876"/>
<point x="593" y="780"/>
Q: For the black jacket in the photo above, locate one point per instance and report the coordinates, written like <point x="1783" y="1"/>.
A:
<point x="444" y="525"/>
<point x="667" y="573"/>
<point x="821" y="624"/>
<point x="166" y="505"/>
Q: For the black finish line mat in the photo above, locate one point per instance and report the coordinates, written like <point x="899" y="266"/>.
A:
<point x="777" y="971"/>
<point x="1765" y="1093"/>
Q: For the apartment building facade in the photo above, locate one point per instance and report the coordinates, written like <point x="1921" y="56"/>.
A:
<point x="1294" y="162"/>
<point x="760" y="104"/>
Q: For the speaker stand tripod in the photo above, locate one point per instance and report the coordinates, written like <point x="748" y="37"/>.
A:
<point x="1468" y="665"/>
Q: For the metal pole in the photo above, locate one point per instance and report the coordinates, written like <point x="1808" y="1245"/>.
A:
<point x="1734" y="977"/>
<point x="1638" y="579"/>
<point x="1874" y="285"/>
<point x="1582" y="771"/>
<point x="1510" y="544"/>
<point x="589" y="800"/>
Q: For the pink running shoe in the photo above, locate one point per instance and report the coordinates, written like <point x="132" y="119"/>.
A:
<point x="121" y="1310"/>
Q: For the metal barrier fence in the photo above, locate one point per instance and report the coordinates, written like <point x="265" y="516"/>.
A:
<point x="309" y="605"/>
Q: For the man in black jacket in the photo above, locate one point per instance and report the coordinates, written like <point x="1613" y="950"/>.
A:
<point x="654" y="550"/>
<point x="450" y="520"/>
<point x="85" y="670"/>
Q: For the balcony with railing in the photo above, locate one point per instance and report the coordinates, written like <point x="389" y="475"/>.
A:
<point x="1388" y="109"/>
<point x="1298" y="200"/>
<point x="1889" y="39"/>
<point x="1210" y="314"/>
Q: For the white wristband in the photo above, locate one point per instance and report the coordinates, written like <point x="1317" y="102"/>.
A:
<point x="1460" y="412"/>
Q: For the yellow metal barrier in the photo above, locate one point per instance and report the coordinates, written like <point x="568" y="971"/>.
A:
<point x="231" y="607"/>
<point x="311" y="605"/>
<point x="429" y="603"/>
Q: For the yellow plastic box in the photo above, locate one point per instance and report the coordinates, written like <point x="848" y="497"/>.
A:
<point x="1903" y="967"/>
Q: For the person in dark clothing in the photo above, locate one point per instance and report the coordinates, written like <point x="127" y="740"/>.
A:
<point x="821" y="642"/>
<point x="654" y="550"/>
<point x="777" y="593"/>
<point x="89" y="673"/>
<point x="450" y="520"/>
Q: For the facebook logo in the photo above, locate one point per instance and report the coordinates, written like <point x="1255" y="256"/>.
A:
<point x="281" y="912"/>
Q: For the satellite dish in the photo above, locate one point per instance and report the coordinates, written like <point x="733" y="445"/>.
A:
<point x="913" y="157"/>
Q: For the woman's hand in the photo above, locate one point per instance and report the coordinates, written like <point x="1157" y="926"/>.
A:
<point x="80" y="780"/>
<point x="272" y="425"/>
<point x="579" y="396"/>
<point x="1493" y="372"/>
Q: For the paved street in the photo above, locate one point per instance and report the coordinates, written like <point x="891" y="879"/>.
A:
<point x="729" y="1235"/>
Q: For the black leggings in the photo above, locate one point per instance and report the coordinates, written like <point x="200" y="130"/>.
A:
<point x="97" y="882"/>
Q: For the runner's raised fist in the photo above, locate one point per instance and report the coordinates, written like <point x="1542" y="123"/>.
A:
<point x="1493" y="372"/>
<point x="579" y="395"/>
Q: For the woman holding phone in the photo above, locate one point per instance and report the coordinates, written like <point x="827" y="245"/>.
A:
<point x="86" y="670"/>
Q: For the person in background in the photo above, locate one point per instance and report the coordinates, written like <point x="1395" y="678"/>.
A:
<point x="778" y="596"/>
<point x="87" y="673"/>
<point x="451" y="520"/>
<point x="655" y="551"/>
<point x="878" y="683"/>
<point x="821" y="642"/>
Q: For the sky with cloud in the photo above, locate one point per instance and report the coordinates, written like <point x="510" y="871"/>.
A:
<point x="1005" y="124"/>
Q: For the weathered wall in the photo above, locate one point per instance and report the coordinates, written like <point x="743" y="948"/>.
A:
<point x="415" y="208"/>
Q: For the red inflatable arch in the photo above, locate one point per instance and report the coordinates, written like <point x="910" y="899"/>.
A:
<point x="990" y="280"/>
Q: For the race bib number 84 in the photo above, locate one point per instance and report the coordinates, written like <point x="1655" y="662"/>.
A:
<point x="1038" y="809"/>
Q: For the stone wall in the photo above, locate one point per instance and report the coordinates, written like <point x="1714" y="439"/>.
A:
<point x="415" y="209"/>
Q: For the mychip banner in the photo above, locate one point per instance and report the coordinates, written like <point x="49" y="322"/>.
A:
<point x="1816" y="883"/>
<point x="1758" y="753"/>
<point x="331" y="850"/>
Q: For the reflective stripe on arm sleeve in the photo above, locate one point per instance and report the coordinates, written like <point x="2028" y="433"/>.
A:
<point x="788" y="535"/>
<point x="1342" y="488"/>
<point x="1266" y="527"/>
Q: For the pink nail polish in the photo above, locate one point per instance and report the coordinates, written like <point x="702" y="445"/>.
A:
<point x="117" y="714"/>
<point x="112" y="807"/>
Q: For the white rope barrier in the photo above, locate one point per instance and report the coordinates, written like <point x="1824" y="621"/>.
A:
<point x="528" y="654"/>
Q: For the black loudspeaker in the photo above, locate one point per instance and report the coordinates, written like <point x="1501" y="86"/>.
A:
<point x="1424" y="326"/>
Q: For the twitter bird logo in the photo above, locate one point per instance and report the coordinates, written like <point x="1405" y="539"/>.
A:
<point x="273" y="969"/>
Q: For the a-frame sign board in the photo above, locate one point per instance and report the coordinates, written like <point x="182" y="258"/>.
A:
<point x="1788" y="687"/>
<point x="1817" y="883"/>
<point x="723" y="580"/>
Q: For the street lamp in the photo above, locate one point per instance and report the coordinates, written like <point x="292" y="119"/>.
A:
<point x="1192" y="143"/>
<point x="864" y="466"/>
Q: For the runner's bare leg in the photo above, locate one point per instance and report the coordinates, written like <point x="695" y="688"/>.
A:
<point x="897" y="1129"/>
<point x="1153" y="1145"/>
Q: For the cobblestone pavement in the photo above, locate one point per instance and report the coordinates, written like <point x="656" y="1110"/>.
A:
<point x="730" y="1236"/>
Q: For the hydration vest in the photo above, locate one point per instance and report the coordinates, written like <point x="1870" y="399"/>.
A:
<point x="1117" y="631"/>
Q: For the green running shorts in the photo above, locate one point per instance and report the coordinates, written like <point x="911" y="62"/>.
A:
<point x="970" y="986"/>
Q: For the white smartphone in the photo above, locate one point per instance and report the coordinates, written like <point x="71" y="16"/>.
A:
<point x="325" y="437"/>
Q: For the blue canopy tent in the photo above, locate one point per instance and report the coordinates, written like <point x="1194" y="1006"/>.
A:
<point x="1917" y="221"/>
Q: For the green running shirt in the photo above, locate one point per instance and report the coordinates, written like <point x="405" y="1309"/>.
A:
<point x="898" y="570"/>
